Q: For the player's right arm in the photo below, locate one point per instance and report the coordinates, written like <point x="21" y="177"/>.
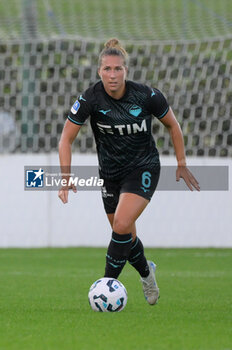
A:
<point x="79" y="113"/>
<point x="68" y="135"/>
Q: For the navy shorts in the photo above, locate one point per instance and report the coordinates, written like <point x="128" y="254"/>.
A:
<point x="142" y="181"/>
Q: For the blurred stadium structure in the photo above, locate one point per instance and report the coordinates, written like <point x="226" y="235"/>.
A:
<point x="49" y="52"/>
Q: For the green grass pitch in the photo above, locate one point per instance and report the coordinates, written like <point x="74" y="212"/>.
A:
<point x="44" y="305"/>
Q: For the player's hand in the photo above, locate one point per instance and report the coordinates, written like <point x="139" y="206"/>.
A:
<point x="63" y="192"/>
<point x="184" y="173"/>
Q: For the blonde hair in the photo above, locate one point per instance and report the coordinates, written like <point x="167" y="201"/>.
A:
<point x="113" y="48"/>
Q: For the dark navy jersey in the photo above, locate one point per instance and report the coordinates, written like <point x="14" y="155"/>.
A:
<point x="122" y="128"/>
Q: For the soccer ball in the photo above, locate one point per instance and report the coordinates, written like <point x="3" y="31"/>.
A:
<point x="107" y="295"/>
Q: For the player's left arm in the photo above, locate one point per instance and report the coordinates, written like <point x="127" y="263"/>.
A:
<point x="170" y="122"/>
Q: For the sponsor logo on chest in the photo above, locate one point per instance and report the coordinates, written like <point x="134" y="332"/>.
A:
<point x="123" y="129"/>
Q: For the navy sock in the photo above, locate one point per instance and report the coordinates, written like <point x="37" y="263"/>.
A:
<point x="137" y="258"/>
<point x="117" y="254"/>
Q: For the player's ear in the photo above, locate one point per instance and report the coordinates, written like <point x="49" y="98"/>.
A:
<point x="126" y="70"/>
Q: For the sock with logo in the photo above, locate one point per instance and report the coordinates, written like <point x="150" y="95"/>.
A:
<point x="137" y="258"/>
<point x="117" y="254"/>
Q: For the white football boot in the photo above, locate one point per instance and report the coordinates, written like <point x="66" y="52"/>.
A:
<point x="150" y="288"/>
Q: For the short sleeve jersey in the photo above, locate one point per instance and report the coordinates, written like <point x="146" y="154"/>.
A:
<point x="122" y="128"/>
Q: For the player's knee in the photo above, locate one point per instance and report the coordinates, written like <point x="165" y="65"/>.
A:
<point x="122" y="225"/>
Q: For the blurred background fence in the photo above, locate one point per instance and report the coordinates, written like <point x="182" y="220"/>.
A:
<point x="49" y="52"/>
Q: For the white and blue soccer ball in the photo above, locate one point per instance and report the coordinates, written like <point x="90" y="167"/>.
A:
<point x="107" y="295"/>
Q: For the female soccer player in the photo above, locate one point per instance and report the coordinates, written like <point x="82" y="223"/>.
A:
<point x="121" y="112"/>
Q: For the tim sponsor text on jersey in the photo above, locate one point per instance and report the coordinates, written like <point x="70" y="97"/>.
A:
<point x="125" y="129"/>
